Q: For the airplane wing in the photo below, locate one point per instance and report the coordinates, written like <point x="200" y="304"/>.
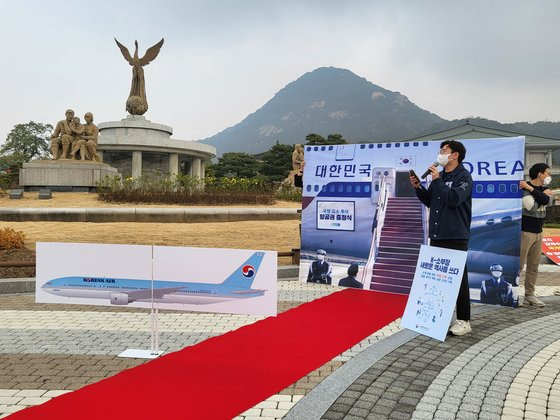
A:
<point x="147" y="293"/>
<point x="247" y="292"/>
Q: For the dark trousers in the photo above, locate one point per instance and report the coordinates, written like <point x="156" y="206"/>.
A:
<point x="464" y="299"/>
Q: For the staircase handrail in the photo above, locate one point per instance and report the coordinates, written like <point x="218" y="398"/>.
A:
<point x="425" y="219"/>
<point x="378" y="222"/>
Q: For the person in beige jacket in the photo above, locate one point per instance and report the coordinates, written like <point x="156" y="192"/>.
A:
<point x="536" y="195"/>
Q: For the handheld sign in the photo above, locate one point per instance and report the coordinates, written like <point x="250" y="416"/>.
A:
<point x="434" y="291"/>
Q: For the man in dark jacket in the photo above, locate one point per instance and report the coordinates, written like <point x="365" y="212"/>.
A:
<point x="351" y="281"/>
<point x="449" y="198"/>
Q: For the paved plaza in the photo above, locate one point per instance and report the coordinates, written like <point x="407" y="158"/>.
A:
<point x="509" y="367"/>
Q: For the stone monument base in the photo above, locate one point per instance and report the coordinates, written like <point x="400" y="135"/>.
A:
<point x="64" y="175"/>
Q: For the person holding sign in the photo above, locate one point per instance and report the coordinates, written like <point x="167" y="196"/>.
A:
<point x="449" y="198"/>
<point x="536" y="195"/>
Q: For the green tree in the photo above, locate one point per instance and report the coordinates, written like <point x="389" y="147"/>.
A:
<point x="27" y="141"/>
<point x="277" y="162"/>
<point x="242" y="165"/>
<point x="9" y="172"/>
<point x="24" y="143"/>
<point x="336" y="139"/>
<point x="315" y="139"/>
<point x="210" y="170"/>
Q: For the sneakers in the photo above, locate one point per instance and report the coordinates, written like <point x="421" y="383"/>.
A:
<point x="533" y="301"/>
<point x="460" y="327"/>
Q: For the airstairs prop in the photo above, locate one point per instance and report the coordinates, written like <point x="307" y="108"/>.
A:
<point x="400" y="227"/>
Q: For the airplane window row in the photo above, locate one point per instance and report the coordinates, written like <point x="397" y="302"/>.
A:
<point x="350" y="188"/>
<point x="340" y="188"/>
<point x="369" y="146"/>
<point x="491" y="188"/>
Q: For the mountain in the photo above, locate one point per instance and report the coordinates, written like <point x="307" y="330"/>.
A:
<point x="330" y="100"/>
<point x="325" y="101"/>
<point x="541" y="128"/>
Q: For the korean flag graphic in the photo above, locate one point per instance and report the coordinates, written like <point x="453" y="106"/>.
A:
<point x="248" y="271"/>
<point x="406" y="161"/>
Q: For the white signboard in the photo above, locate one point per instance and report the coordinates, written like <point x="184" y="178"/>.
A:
<point x="192" y="279"/>
<point x="434" y="291"/>
<point x="335" y="215"/>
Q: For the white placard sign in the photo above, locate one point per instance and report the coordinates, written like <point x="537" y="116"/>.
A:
<point x="335" y="215"/>
<point x="434" y="291"/>
<point x="142" y="276"/>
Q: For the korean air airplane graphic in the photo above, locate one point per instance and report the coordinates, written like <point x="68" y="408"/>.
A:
<point x="124" y="291"/>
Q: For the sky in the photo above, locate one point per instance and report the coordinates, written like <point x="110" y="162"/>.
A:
<point x="223" y="60"/>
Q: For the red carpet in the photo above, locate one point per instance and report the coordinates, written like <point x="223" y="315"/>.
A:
<point x="223" y="376"/>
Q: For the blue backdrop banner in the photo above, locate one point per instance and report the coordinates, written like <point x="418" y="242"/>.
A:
<point x="360" y="212"/>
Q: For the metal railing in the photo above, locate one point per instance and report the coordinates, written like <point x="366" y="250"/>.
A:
<point x="425" y="219"/>
<point x="378" y="222"/>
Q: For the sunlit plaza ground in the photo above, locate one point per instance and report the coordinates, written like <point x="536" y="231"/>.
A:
<point x="508" y="367"/>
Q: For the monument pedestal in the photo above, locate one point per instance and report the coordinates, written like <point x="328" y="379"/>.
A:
<point x="64" y="174"/>
<point x="137" y="147"/>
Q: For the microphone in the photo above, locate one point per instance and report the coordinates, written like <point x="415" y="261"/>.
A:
<point x="425" y="174"/>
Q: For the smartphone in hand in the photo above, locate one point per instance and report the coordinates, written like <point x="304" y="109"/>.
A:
<point x="412" y="173"/>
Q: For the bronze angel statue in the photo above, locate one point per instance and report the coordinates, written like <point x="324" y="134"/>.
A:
<point x="137" y="104"/>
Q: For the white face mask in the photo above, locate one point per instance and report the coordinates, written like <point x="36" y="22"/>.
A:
<point x="442" y="159"/>
<point x="496" y="274"/>
<point x="321" y="257"/>
<point x="547" y="180"/>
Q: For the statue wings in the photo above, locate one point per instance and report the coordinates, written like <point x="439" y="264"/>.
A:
<point x="151" y="53"/>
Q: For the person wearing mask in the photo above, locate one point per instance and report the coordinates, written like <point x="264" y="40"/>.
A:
<point x="536" y="195"/>
<point x="495" y="290"/>
<point x="449" y="198"/>
<point x="320" y="270"/>
<point x="351" y="280"/>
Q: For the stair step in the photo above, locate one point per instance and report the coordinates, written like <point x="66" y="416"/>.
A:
<point x="405" y="256"/>
<point x="392" y="281"/>
<point x="392" y="274"/>
<point x="401" y="290"/>
<point x="394" y="267"/>
<point x="391" y="233"/>
<point x="400" y="240"/>
<point x="402" y="231"/>
<point x="398" y="250"/>
<point x="402" y="222"/>
<point x="402" y="243"/>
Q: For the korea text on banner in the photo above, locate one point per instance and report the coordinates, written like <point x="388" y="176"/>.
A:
<point x="359" y="208"/>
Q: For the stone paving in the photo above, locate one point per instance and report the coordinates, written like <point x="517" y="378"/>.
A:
<point x="509" y="367"/>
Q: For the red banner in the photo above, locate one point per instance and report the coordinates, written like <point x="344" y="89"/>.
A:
<point x="551" y="248"/>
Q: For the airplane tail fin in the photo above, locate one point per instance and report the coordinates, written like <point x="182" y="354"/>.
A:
<point x="243" y="276"/>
